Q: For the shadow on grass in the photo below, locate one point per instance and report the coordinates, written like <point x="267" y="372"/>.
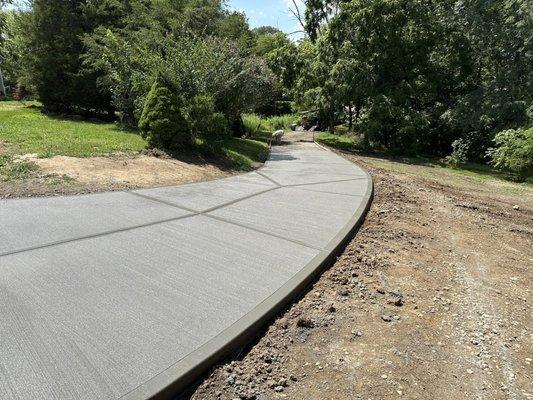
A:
<point x="117" y="127"/>
<point x="262" y="136"/>
<point x="229" y="154"/>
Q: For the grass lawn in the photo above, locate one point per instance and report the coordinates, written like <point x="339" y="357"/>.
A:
<point x="25" y="130"/>
<point x="237" y="153"/>
<point x="104" y="149"/>
<point x="337" y="141"/>
<point x="433" y="168"/>
<point x="30" y="131"/>
<point x="472" y="175"/>
<point x="245" y="153"/>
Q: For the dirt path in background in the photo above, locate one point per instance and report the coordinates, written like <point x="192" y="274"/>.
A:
<point x="431" y="300"/>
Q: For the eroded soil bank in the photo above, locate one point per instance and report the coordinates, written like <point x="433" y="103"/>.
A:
<point x="431" y="300"/>
<point x="61" y="175"/>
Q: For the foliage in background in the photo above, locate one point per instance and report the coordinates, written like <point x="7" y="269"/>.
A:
<point x="255" y="124"/>
<point x="54" y="47"/>
<point x="410" y="77"/>
<point x="13" y="39"/>
<point x="210" y="66"/>
<point x="205" y="121"/>
<point x="415" y="77"/>
<point x="514" y="152"/>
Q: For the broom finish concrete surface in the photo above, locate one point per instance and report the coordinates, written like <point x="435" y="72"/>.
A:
<point x="131" y="295"/>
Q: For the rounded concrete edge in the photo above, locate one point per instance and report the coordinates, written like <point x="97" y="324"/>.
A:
<point x="176" y="378"/>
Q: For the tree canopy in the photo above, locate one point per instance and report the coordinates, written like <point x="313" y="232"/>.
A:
<point x="409" y="76"/>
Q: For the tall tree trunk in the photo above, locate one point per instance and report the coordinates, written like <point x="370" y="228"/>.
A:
<point x="2" y="86"/>
<point x="350" y="117"/>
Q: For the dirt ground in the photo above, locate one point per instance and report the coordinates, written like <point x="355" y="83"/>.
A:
<point x="431" y="300"/>
<point x="72" y="175"/>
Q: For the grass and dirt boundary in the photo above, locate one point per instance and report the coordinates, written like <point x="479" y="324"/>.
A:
<point x="43" y="154"/>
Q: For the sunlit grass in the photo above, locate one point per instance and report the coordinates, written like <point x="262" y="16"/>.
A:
<point x="433" y="168"/>
<point x="338" y="141"/>
<point x="28" y="130"/>
<point x="25" y="130"/>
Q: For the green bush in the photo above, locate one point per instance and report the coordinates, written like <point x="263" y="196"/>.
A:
<point x="282" y="121"/>
<point x="162" y="121"/>
<point x="514" y="152"/>
<point x="255" y="124"/>
<point x="218" y="125"/>
<point x="460" y="153"/>
<point x="204" y="120"/>
<point x="393" y="128"/>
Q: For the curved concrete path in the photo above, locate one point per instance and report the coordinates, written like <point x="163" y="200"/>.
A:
<point x="130" y="295"/>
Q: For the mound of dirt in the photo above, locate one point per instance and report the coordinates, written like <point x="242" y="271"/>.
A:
<point x="127" y="170"/>
<point x="63" y="175"/>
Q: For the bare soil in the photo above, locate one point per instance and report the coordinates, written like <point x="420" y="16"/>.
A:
<point x="71" y="175"/>
<point x="431" y="300"/>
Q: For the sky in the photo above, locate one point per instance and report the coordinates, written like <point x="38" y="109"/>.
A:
<point x="268" y="12"/>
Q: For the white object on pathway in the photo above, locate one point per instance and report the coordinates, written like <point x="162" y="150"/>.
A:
<point x="277" y="136"/>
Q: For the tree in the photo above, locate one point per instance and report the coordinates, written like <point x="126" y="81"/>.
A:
<point x="317" y="13"/>
<point x="501" y="92"/>
<point x="200" y="66"/>
<point x="281" y="56"/>
<point x="316" y="89"/>
<point x="233" y="25"/>
<point x="13" y="49"/>
<point x="514" y="152"/>
<point x="55" y="63"/>
<point x="162" y="121"/>
<point x="269" y="42"/>
<point x="244" y="85"/>
<point x="204" y="120"/>
<point x="415" y="76"/>
<point x="2" y="51"/>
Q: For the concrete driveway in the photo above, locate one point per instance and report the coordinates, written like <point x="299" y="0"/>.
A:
<point x="132" y="294"/>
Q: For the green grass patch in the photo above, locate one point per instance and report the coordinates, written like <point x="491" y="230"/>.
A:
<point x="58" y="180"/>
<point x="245" y="153"/>
<point x="471" y="175"/>
<point x="338" y="141"/>
<point x="433" y="168"/>
<point x="30" y="131"/>
<point x="25" y="130"/>
<point x="240" y="154"/>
